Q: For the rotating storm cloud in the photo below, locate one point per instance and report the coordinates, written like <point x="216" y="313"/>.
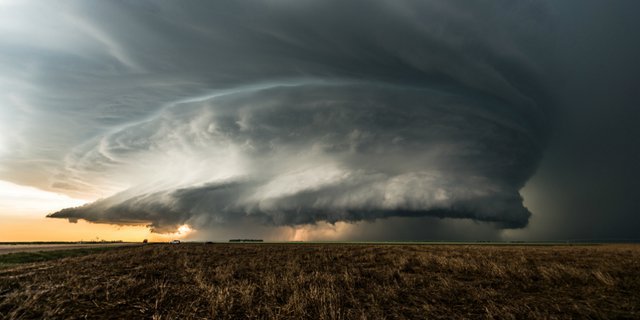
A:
<point x="281" y="113"/>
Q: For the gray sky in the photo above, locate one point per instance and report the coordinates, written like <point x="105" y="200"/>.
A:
<point x="384" y="119"/>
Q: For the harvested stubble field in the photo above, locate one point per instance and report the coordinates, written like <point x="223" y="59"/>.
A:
<point x="329" y="281"/>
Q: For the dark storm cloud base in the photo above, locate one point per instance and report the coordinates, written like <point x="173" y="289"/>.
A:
<point x="325" y="111"/>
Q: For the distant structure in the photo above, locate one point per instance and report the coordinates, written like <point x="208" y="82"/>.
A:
<point x="246" y="240"/>
<point x="145" y="241"/>
<point x="175" y="241"/>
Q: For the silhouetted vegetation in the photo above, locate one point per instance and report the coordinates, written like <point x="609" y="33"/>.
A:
<point x="337" y="281"/>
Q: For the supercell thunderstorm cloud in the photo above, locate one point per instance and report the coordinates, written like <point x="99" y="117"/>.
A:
<point x="298" y="154"/>
<point x="223" y="115"/>
<point x="325" y="111"/>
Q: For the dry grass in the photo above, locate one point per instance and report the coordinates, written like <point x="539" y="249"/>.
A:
<point x="331" y="281"/>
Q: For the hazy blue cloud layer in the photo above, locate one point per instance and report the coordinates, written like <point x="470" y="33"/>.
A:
<point x="282" y="113"/>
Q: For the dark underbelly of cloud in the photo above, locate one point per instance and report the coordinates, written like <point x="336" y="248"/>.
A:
<point x="292" y="155"/>
<point x="431" y="115"/>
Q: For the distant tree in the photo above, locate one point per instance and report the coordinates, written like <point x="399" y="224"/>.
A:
<point x="145" y="241"/>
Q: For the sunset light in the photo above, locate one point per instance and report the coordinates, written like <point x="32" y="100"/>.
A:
<point x="320" y="159"/>
<point x="16" y="199"/>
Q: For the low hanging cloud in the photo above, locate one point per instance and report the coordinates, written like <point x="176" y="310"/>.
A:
<point x="291" y="155"/>
<point x="282" y="113"/>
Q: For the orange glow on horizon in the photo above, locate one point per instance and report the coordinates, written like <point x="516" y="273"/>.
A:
<point x="23" y="213"/>
<point x="17" y="229"/>
<point x="182" y="232"/>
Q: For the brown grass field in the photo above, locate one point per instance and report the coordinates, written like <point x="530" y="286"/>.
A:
<point x="329" y="281"/>
<point x="13" y="248"/>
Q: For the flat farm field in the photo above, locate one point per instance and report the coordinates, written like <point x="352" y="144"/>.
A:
<point x="328" y="281"/>
<point x="40" y="247"/>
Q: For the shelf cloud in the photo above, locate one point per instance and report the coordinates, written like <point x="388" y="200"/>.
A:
<point x="285" y="113"/>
